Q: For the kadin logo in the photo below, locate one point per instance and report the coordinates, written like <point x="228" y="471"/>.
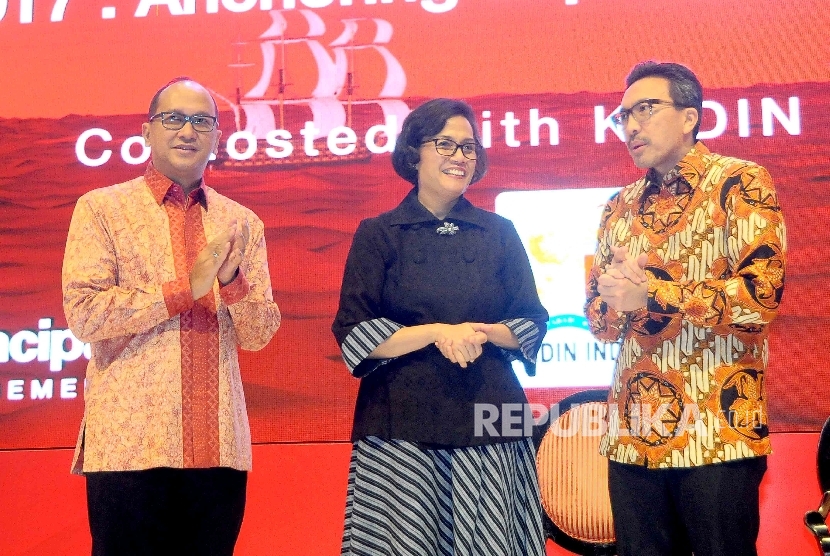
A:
<point x="559" y="231"/>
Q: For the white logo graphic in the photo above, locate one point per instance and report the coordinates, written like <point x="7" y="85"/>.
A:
<point x="330" y="101"/>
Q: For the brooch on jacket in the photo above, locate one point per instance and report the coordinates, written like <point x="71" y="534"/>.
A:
<point x="448" y="229"/>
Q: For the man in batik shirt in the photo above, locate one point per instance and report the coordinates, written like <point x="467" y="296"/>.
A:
<point x="167" y="278"/>
<point x="688" y="274"/>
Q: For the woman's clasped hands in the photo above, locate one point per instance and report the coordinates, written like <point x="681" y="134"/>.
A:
<point x="461" y="343"/>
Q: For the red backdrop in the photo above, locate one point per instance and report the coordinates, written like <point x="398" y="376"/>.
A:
<point x="564" y="59"/>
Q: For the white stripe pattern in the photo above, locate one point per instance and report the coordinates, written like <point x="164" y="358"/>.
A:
<point x="527" y="332"/>
<point x="364" y="338"/>
<point x="404" y="499"/>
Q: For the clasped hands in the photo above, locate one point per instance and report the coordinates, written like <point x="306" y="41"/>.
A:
<point x="624" y="285"/>
<point x="219" y="259"/>
<point x="461" y="343"/>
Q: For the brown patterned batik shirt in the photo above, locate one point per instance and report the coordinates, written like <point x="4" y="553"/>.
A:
<point x="163" y="387"/>
<point x="689" y="384"/>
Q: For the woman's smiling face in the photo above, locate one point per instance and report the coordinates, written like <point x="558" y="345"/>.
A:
<point x="445" y="178"/>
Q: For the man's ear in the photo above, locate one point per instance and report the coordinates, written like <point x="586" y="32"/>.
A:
<point x="145" y="132"/>
<point x="216" y="145"/>
<point x="691" y="119"/>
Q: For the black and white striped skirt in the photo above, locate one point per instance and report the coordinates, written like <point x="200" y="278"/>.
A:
<point x="404" y="499"/>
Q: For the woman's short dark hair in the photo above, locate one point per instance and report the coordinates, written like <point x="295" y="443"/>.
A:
<point x="684" y="87"/>
<point x="425" y="122"/>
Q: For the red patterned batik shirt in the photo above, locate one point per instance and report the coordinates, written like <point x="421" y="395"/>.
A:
<point x="163" y="386"/>
<point x="689" y="383"/>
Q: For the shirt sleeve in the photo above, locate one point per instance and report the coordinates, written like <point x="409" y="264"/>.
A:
<point x="748" y="289"/>
<point x="96" y="306"/>
<point x="249" y="297"/>
<point x="605" y="323"/>
<point x="359" y="326"/>
<point x="526" y="317"/>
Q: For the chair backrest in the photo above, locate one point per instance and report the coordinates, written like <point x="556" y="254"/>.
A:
<point x="573" y="476"/>
<point x="823" y="463"/>
<point x="816" y="520"/>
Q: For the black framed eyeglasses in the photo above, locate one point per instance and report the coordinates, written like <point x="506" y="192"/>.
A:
<point x="641" y="111"/>
<point x="447" y="147"/>
<point x="174" y="121"/>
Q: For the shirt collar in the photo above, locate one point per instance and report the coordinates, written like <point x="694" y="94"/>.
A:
<point x="411" y="211"/>
<point x="684" y="177"/>
<point x="163" y="188"/>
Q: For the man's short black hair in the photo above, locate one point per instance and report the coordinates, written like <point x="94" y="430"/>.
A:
<point x="424" y="123"/>
<point x="684" y="87"/>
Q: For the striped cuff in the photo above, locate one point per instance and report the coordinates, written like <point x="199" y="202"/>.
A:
<point x="527" y="332"/>
<point x="364" y="338"/>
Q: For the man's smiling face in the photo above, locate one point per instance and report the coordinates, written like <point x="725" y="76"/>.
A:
<point x="183" y="154"/>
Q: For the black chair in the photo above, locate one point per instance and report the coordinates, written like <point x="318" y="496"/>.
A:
<point x="573" y="476"/>
<point x="816" y="520"/>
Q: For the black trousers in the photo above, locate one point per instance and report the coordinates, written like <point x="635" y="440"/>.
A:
<point x="165" y="511"/>
<point x="711" y="510"/>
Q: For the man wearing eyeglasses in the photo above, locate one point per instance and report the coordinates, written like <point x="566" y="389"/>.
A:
<point x="167" y="278"/>
<point x="688" y="274"/>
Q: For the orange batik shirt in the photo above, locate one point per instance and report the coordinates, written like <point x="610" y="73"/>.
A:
<point x="163" y="387"/>
<point x="689" y="383"/>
